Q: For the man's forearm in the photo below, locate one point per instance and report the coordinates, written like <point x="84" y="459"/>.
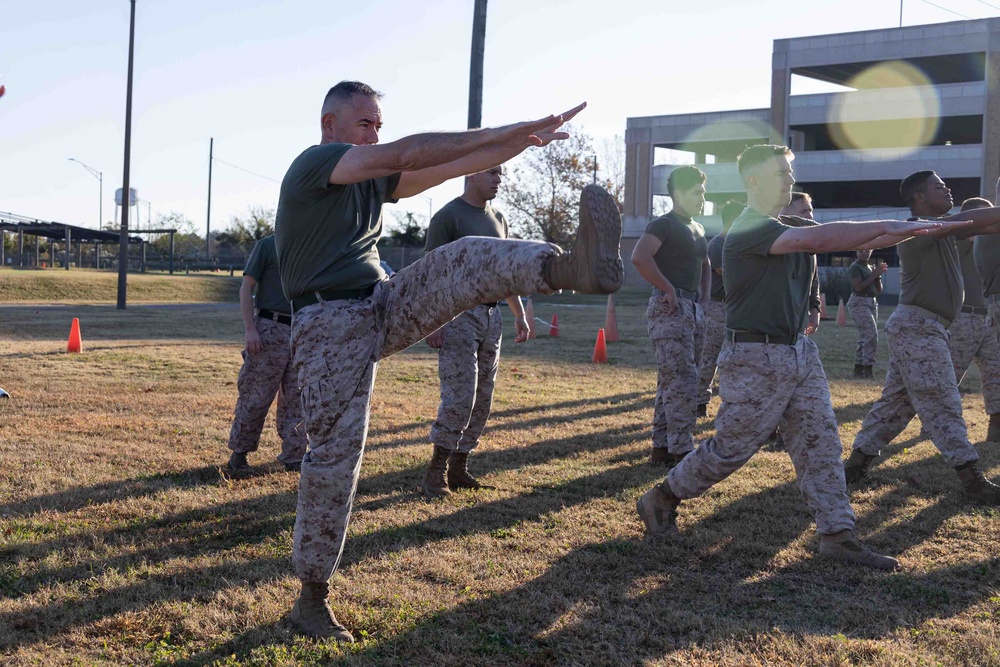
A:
<point x="516" y="307"/>
<point x="706" y="280"/>
<point x="246" y="305"/>
<point x="840" y="236"/>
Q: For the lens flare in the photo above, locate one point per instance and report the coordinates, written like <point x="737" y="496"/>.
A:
<point x="893" y="111"/>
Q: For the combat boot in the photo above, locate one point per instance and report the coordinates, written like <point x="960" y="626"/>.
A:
<point x="237" y="465"/>
<point x="868" y="371"/>
<point x="859" y="371"/>
<point x="459" y="476"/>
<point x="976" y="486"/>
<point x="312" y="614"/>
<point x="856" y="466"/>
<point x="846" y="547"/>
<point x="594" y="264"/>
<point x="993" y="432"/>
<point x="434" y="482"/>
<point x="661" y="457"/>
<point x="658" y="510"/>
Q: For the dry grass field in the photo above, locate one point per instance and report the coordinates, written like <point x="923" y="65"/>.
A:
<point x="121" y="543"/>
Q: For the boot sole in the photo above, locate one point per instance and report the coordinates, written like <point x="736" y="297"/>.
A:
<point x="599" y="211"/>
<point x="432" y="494"/>
<point x="340" y="633"/>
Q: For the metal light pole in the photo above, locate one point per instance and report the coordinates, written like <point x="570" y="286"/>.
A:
<point x="99" y="175"/>
<point x="476" y="65"/>
<point x="123" y="237"/>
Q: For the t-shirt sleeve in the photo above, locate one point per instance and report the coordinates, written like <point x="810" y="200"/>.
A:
<point x="660" y="228"/>
<point x="388" y="185"/>
<point x="256" y="262"/>
<point x="755" y="236"/>
<point x="440" y="231"/>
<point x="311" y="170"/>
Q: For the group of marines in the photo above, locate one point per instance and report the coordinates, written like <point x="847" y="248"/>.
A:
<point x="326" y="314"/>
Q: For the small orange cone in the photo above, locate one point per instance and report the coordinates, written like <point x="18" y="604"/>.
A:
<point x="74" y="344"/>
<point x="600" y="349"/>
<point x="611" y="320"/>
<point x="841" y="315"/>
<point x="822" y="307"/>
<point x="529" y="314"/>
<point x="554" y="328"/>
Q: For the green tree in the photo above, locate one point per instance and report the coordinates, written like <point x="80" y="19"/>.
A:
<point x="406" y="232"/>
<point x="243" y="232"/>
<point x="187" y="244"/>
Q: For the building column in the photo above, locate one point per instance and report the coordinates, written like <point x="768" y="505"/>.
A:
<point x="781" y="80"/>
<point x="991" y="126"/>
<point x="638" y="180"/>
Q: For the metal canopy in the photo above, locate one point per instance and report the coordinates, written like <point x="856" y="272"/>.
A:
<point x="57" y="230"/>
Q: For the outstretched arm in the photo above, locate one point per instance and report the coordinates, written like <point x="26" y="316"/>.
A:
<point x="469" y="152"/>
<point x="840" y="236"/>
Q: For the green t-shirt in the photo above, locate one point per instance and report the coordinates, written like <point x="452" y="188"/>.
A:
<point x="970" y="275"/>
<point x="459" y="218"/>
<point x="766" y="293"/>
<point x="683" y="249"/>
<point x="862" y="271"/>
<point x="986" y="249"/>
<point x="326" y="234"/>
<point x="715" y="257"/>
<point x="262" y="266"/>
<point x="930" y="275"/>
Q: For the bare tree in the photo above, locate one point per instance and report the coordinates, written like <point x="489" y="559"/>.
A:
<point x="542" y="191"/>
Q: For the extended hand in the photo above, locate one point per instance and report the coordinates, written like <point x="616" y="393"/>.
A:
<point x="537" y="132"/>
<point x="921" y="227"/>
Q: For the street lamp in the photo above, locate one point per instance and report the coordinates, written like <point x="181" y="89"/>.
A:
<point x="100" y="177"/>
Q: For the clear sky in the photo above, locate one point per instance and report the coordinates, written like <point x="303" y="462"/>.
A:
<point x="253" y="73"/>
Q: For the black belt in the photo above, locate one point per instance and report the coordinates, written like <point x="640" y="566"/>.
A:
<point x="758" y="337"/>
<point x="491" y="305"/>
<point x="280" y="318"/>
<point x="975" y="310"/>
<point x="300" y="302"/>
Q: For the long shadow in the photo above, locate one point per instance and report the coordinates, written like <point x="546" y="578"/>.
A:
<point x="621" y="617"/>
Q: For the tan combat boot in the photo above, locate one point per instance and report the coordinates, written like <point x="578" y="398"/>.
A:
<point x="658" y="510"/>
<point x="434" y="482"/>
<point x="856" y="466"/>
<point x="993" y="432"/>
<point x="459" y="476"/>
<point x="976" y="486"/>
<point x="846" y="547"/>
<point x="661" y="457"/>
<point x="313" y="616"/>
<point x="594" y="264"/>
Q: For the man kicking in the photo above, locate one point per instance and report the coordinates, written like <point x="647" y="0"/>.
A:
<point x="770" y="374"/>
<point x="347" y="317"/>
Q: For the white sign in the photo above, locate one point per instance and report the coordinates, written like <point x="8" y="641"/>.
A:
<point x="133" y="196"/>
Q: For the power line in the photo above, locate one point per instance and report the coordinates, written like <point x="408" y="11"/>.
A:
<point x="988" y="4"/>
<point x="252" y="173"/>
<point x="950" y="11"/>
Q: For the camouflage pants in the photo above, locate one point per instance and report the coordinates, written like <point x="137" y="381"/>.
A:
<point x="336" y="349"/>
<point x="265" y="374"/>
<point x="970" y="338"/>
<point x="678" y="339"/>
<point x="921" y="380"/>
<point x="764" y="387"/>
<point x="864" y="312"/>
<point x="715" y="331"/>
<point x="467" y="367"/>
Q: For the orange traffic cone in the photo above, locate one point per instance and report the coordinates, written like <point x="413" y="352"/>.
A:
<point x="74" y="344"/>
<point x="822" y="307"/>
<point x="611" y="320"/>
<point x="529" y="314"/>
<point x="554" y="328"/>
<point x="600" y="349"/>
<point x="841" y="315"/>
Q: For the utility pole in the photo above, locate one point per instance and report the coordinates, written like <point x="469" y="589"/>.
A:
<point x="208" y="216"/>
<point x="476" y="68"/>
<point x="123" y="238"/>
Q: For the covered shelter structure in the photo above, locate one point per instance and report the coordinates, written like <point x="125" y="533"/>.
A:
<point x="67" y="235"/>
